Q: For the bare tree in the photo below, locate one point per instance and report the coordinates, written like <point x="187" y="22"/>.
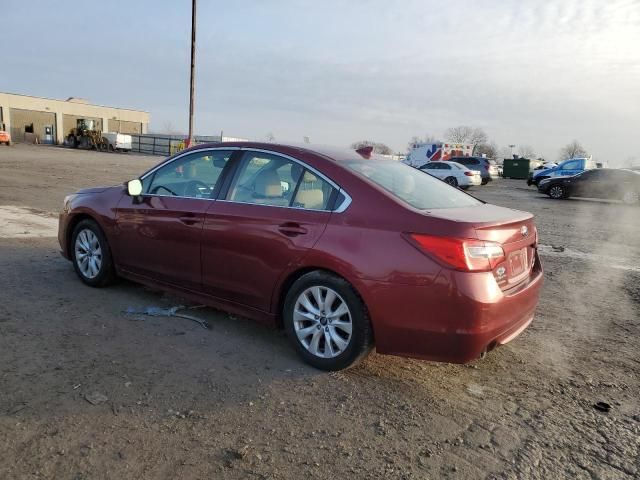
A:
<point x="380" y="148"/>
<point x="489" y="149"/>
<point x="526" y="151"/>
<point x="270" y="137"/>
<point x="466" y="134"/>
<point x="573" y="150"/>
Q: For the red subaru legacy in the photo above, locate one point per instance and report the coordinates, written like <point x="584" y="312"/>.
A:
<point x="343" y="251"/>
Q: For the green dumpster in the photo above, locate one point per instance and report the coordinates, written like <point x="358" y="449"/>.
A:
<point x="518" y="167"/>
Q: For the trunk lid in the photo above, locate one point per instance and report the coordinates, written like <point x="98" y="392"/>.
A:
<point x="514" y="230"/>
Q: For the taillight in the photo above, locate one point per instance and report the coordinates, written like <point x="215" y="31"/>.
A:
<point x="461" y="253"/>
<point x="468" y="173"/>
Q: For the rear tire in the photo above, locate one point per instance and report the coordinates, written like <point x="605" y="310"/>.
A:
<point x="91" y="255"/>
<point x="451" y="181"/>
<point x="327" y="321"/>
<point x="484" y="181"/>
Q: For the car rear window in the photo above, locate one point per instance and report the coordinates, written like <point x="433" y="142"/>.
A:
<point x="417" y="188"/>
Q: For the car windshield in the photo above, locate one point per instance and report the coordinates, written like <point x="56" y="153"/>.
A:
<point x="418" y="189"/>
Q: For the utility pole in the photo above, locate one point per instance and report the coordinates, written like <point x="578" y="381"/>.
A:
<point x="193" y="66"/>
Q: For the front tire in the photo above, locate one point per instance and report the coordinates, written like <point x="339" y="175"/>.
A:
<point x="484" y="181"/>
<point x="91" y="255"/>
<point x="557" y="192"/>
<point x="327" y="321"/>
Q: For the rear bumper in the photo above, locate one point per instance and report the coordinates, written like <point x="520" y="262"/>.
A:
<point x="457" y="319"/>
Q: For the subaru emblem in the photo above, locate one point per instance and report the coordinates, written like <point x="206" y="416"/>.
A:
<point x="524" y="230"/>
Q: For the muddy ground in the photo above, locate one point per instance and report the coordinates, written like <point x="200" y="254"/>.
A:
<point x="174" y="400"/>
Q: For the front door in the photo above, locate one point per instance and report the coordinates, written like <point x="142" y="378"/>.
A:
<point x="159" y="234"/>
<point x="273" y="212"/>
<point x="569" y="168"/>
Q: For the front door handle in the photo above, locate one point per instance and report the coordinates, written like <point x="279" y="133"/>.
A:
<point x="292" y="229"/>
<point x="189" y="219"/>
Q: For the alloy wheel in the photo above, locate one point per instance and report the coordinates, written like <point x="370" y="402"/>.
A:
<point x="88" y="253"/>
<point x="556" y="192"/>
<point x="322" y="322"/>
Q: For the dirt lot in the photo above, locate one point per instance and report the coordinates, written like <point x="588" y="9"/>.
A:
<point x="179" y="401"/>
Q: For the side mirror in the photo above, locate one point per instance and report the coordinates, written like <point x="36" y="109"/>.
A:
<point x="134" y="187"/>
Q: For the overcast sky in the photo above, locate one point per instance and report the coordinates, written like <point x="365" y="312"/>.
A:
<point x="531" y="72"/>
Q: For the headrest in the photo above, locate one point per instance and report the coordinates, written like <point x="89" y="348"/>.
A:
<point x="309" y="177"/>
<point x="268" y="184"/>
<point x="310" y="198"/>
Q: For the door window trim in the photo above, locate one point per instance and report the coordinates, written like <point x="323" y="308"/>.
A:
<point x="229" y="172"/>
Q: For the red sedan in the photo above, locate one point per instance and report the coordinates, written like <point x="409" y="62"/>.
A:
<point x="341" y="250"/>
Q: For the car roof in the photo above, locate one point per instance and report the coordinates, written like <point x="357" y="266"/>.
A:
<point x="328" y="151"/>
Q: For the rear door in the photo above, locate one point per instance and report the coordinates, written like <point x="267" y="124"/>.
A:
<point x="592" y="183"/>
<point x="273" y="211"/>
<point x="159" y="233"/>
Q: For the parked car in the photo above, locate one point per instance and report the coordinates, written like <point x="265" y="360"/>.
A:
<point x="500" y="169"/>
<point x="453" y="173"/>
<point x="355" y="249"/>
<point x="607" y="183"/>
<point x="569" y="167"/>
<point x="488" y="168"/>
<point x="119" y="142"/>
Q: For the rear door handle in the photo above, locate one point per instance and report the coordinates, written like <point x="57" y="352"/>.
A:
<point x="292" y="229"/>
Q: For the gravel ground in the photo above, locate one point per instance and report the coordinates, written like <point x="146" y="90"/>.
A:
<point x="87" y="391"/>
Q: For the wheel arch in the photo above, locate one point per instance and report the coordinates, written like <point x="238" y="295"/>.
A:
<point x="292" y="277"/>
<point x="71" y="226"/>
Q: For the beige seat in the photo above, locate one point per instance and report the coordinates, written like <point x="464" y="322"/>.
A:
<point x="268" y="189"/>
<point x="308" y="196"/>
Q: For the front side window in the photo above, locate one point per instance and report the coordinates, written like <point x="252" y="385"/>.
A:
<point x="574" y="165"/>
<point x="423" y="192"/>
<point x="192" y="176"/>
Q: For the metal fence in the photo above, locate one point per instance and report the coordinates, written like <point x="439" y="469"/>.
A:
<point x="167" y="145"/>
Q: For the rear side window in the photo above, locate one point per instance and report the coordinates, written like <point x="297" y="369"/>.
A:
<point x="267" y="179"/>
<point x="313" y="192"/>
<point x="466" y="161"/>
<point x="421" y="191"/>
